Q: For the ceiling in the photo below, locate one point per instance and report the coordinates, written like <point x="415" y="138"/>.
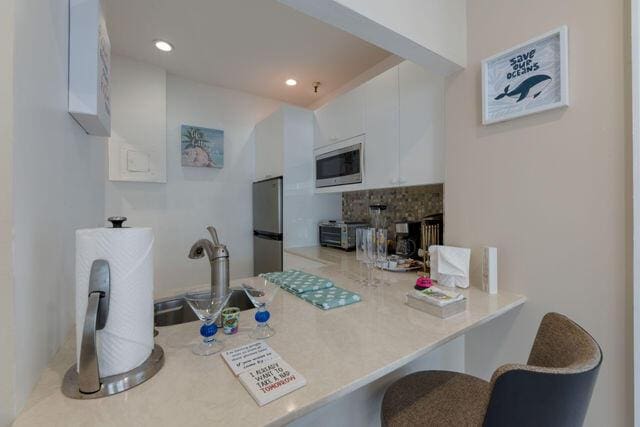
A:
<point x="248" y="45"/>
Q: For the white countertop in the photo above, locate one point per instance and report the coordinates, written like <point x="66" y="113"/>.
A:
<point x="337" y="351"/>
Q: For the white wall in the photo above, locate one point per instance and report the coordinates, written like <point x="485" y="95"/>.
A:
<point x="7" y="349"/>
<point x="193" y="198"/>
<point x="550" y="191"/>
<point x="303" y="209"/>
<point x="138" y="119"/>
<point x="431" y="33"/>
<point x="58" y="186"/>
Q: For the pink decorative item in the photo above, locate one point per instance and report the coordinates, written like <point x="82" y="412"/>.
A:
<point x="423" y="283"/>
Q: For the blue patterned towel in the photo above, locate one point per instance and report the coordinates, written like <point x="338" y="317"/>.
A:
<point x="329" y="298"/>
<point x="316" y="290"/>
<point x="298" y="282"/>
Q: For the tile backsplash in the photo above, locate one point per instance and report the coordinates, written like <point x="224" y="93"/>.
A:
<point x="403" y="203"/>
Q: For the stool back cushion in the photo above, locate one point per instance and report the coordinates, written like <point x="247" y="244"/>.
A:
<point x="555" y="387"/>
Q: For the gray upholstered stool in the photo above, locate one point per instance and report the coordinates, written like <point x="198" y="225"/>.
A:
<point x="553" y="389"/>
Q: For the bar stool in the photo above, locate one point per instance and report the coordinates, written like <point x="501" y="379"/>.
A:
<point x="553" y="389"/>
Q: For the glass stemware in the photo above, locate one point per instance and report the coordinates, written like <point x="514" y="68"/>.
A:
<point x="381" y="245"/>
<point x="381" y="252"/>
<point x="366" y="251"/>
<point x="361" y="248"/>
<point x="261" y="294"/>
<point x="207" y="307"/>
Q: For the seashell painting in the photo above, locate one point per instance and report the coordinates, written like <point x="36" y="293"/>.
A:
<point x="202" y="147"/>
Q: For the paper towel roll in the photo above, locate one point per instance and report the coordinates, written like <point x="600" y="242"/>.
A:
<point x="127" y="339"/>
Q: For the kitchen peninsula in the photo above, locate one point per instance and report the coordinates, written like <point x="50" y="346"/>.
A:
<point x="338" y="351"/>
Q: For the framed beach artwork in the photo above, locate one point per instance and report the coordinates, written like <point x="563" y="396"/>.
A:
<point x="202" y="147"/>
<point x="526" y="79"/>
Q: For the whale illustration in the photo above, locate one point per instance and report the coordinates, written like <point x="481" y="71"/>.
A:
<point x="523" y="89"/>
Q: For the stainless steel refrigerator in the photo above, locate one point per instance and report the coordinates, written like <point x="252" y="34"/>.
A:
<point x="267" y="226"/>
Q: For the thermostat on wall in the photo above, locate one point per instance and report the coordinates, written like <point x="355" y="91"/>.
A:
<point x="138" y="161"/>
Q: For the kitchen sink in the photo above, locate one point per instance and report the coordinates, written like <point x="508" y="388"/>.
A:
<point x="176" y="310"/>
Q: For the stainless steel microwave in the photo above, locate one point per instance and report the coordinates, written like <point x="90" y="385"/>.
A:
<point x="341" y="165"/>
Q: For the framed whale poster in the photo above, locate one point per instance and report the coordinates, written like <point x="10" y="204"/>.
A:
<point x="526" y="79"/>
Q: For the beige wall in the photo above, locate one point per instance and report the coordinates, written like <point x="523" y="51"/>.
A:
<point x="7" y="360"/>
<point x="550" y="190"/>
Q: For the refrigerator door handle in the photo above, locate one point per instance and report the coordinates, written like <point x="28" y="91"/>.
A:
<point x="267" y="235"/>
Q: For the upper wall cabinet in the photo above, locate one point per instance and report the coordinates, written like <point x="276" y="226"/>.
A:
<point x="381" y="163"/>
<point x="403" y="111"/>
<point x="421" y="114"/>
<point x="269" y="137"/>
<point x="340" y="119"/>
<point x="89" y="67"/>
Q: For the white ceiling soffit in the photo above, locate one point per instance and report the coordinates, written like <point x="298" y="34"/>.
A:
<point x="247" y="45"/>
<point x="431" y="33"/>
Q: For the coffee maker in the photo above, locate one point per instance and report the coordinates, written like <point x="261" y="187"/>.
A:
<point x="408" y="239"/>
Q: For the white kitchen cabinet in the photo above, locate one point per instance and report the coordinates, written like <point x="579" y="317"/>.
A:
<point x="340" y="119"/>
<point x="421" y="114"/>
<point x="269" y="148"/>
<point x="403" y="123"/>
<point x="381" y="167"/>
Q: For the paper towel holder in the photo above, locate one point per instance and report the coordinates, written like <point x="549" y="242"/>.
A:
<point x="85" y="382"/>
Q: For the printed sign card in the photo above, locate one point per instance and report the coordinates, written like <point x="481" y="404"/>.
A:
<point x="263" y="372"/>
<point x="271" y="381"/>
<point x="249" y="356"/>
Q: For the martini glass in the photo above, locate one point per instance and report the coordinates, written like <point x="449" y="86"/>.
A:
<point x="261" y="294"/>
<point x="207" y="307"/>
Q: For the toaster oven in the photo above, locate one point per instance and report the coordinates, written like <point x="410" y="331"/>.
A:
<point x="339" y="234"/>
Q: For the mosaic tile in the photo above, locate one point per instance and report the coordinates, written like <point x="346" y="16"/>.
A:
<point x="403" y="204"/>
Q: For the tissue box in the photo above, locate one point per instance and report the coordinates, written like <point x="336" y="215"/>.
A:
<point x="450" y="265"/>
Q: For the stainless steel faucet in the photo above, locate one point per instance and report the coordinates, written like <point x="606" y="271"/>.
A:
<point x="218" y="258"/>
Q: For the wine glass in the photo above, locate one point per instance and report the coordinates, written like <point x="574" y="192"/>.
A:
<point x="207" y="307"/>
<point x="261" y="294"/>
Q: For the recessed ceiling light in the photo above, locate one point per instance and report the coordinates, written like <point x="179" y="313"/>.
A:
<point x="291" y="82"/>
<point x="163" y="45"/>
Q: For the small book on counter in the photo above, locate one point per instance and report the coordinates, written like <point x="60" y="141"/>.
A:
<point x="437" y="301"/>
<point x="262" y="372"/>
